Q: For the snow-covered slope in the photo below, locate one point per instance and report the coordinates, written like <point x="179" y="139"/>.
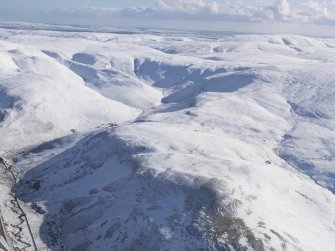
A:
<point x="41" y="99"/>
<point x="221" y="143"/>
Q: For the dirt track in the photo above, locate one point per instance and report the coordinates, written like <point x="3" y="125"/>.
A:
<point x="17" y="209"/>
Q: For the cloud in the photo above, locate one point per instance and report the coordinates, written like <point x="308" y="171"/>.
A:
<point x="257" y="16"/>
<point x="190" y="6"/>
<point x="315" y="12"/>
<point x="240" y="11"/>
<point x="243" y="11"/>
<point x="281" y="10"/>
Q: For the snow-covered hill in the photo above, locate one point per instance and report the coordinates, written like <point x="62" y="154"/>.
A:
<point x="42" y="99"/>
<point x="170" y="141"/>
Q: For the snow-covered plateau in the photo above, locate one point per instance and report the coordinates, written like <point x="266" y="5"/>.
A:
<point x="160" y="140"/>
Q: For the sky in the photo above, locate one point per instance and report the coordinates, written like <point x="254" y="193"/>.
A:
<point x="43" y="4"/>
<point x="306" y="17"/>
